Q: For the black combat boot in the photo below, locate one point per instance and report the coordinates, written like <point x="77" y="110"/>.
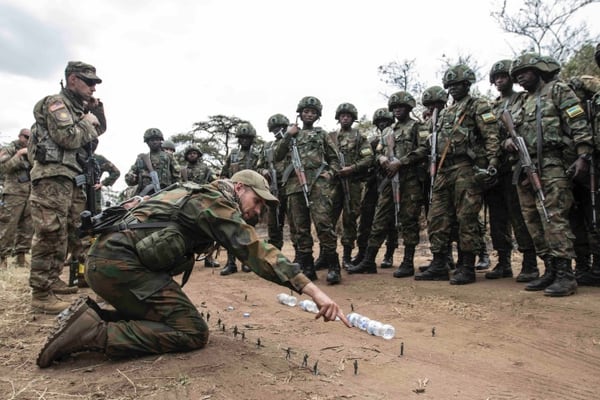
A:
<point x="465" y="273"/>
<point x="450" y="260"/>
<point x="529" y="268"/>
<point x="308" y="265"/>
<point x="367" y="265"/>
<point x="545" y="280"/>
<point x="503" y="268"/>
<point x="321" y="262"/>
<point x="210" y="262"/>
<point x="591" y="276"/>
<point x="564" y="282"/>
<point x="246" y="268"/>
<point x="388" y="257"/>
<point x="484" y="260"/>
<point x="358" y="257"/>
<point x="334" y="275"/>
<point x="346" y="262"/>
<point x="437" y="270"/>
<point x="230" y="267"/>
<point x="407" y="266"/>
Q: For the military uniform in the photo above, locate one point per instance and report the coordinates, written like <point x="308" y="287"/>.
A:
<point x="162" y="162"/>
<point x="104" y="165"/>
<point x="198" y="172"/>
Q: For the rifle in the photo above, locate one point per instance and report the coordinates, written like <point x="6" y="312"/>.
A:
<point x="299" y="169"/>
<point x="433" y="155"/>
<point x="396" y="178"/>
<point x="273" y="172"/>
<point x="345" y="184"/>
<point x="593" y="188"/>
<point x="525" y="161"/>
<point x="155" y="184"/>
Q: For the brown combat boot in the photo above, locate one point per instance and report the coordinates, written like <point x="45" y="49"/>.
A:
<point x="79" y="329"/>
<point x="47" y="303"/>
<point x="60" y="287"/>
<point x="21" y="261"/>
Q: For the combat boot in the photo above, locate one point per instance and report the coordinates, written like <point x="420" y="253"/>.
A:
<point x="437" y="270"/>
<point x="407" y="266"/>
<point x="21" y="261"/>
<point x="308" y="265"/>
<point x="346" y="262"/>
<point x="529" y="268"/>
<point x="545" y="280"/>
<point x="321" y="262"/>
<point x="484" y="260"/>
<point x="3" y="262"/>
<point x="357" y="258"/>
<point x="450" y="261"/>
<point x="230" y="267"/>
<point x="246" y="268"/>
<point x="47" y="303"/>
<point x="334" y="275"/>
<point x="60" y="287"/>
<point x="591" y="277"/>
<point x="367" y="265"/>
<point x="80" y="329"/>
<point x="210" y="262"/>
<point x="465" y="273"/>
<point x="564" y="282"/>
<point x="503" y="268"/>
<point x="388" y="258"/>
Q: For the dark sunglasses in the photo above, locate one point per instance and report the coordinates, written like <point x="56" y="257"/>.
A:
<point x="89" y="82"/>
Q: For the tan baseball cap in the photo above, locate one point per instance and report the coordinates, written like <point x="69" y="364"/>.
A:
<point x="258" y="183"/>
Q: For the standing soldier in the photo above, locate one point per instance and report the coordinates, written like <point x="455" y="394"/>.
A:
<point x="308" y="182"/>
<point x="552" y="124"/>
<point x="467" y="137"/>
<point x="502" y="198"/>
<point x="16" y="228"/>
<point x="155" y="170"/>
<point x="104" y="165"/>
<point x="65" y="125"/>
<point x="356" y="156"/>
<point x="244" y="157"/>
<point x="268" y="167"/>
<point x="168" y="146"/>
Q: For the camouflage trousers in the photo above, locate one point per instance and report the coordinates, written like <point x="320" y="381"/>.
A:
<point x="276" y="221"/>
<point x="368" y="206"/>
<point x="349" y="218"/>
<point x="555" y="236"/>
<point x="300" y="217"/>
<point x="16" y="228"/>
<point x="54" y="205"/>
<point x="153" y="314"/>
<point x="456" y="200"/>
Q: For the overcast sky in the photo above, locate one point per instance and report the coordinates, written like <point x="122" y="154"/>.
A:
<point x="168" y="64"/>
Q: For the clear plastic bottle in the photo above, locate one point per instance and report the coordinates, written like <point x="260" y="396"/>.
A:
<point x="363" y="322"/>
<point x="374" y="327"/>
<point x="286" y="299"/>
<point x="353" y="318"/>
<point x="387" y="331"/>
<point x="308" y="305"/>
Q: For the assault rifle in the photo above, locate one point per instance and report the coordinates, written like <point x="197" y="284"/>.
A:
<point x="345" y="185"/>
<point x="273" y="172"/>
<point x="299" y="169"/>
<point x="433" y="155"/>
<point x="396" y="178"/>
<point x="154" y="186"/>
<point x="525" y="161"/>
<point x="593" y="185"/>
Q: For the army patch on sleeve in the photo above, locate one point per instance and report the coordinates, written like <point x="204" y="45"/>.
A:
<point x="488" y="117"/>
<point x="366" y="151"/>
<point x="57" y="105"/>
<point x="574" y="111"/>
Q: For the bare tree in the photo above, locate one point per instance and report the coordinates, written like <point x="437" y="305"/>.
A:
<point x="401" y="75"/>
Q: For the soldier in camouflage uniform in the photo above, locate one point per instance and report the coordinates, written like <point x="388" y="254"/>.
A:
<point x="319" y="162"/>
<point x="168" y="146"/>
<point x="404" y="135"/>
<point x="467" y="137"/>
<point x="354" y="149"/>
<point x="16" y="229"/>
<point x="550" y="140"/>
<point x="277" y="125"/>
<point x="382" y="118"/>
<point x="157" y="160"/>
<point x="65" y="125"/>
<point x="502" y="198"/>
<point x="244" y="157"/>
<point x="133" y="270"/>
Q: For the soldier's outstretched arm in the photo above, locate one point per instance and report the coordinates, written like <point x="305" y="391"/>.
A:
<point x="328" y="309"/>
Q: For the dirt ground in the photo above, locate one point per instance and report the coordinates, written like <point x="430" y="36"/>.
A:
<point x="492" y="340"/>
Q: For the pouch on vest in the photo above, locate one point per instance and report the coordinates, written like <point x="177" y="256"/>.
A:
<point x="163" y="250"/>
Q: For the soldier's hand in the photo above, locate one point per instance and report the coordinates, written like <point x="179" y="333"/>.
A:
<point x="580" y="167"/>
<point x="92" y="119"/>
<point x="509" y="145"/>
<point x="328" y="309"/>
<point x="344" y="172"/>
<point x="22" y="151"/>
<point x="393" y="168"/>
<point x="383" y="161"/>
<point x="292" y="130"/>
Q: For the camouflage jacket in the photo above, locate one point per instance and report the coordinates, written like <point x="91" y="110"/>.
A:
<point x="59" y="134"/>
<point x="107" y="166"/>
<point x="162" y="162"/>
<point x="356" y="151"/>
<point x="240" y="159"/>
<point x="512" y="104"/>
<point x="198" y="172"/>
<point x="15" y="170"/>
<point x="407" y="138"/>
<point x="267" y="156"/>
<point x="204" y="214"/>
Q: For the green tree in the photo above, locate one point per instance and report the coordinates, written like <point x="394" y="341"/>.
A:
<point x="582" y="63"/>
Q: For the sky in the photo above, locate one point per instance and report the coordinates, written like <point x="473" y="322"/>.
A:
<point x="168" y="64"/>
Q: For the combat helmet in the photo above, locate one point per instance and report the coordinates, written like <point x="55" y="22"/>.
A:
<point x="527" y="61"/>
<point x="167" y="144"/>
<point x="382" y="114"/>
<point x="458" y="73"/>
<point x="310" y="102"/>
<point x="552" y="65"/>
<point x="245" y="129"/>
<point x="434" y="94"/>
<point x="190" y="148"/>
<point x="153" y="133"/>
<point x="346" y="108"/>
<point x="500" y="67"/>
<point x="277" y="120"/>
<point x="401" y="98"/>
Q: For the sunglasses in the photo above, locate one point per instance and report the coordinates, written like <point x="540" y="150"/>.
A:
<point x="89" y="82"/>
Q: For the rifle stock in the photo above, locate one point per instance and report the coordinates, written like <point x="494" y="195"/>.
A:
<point x="300" y="173"/>
<point x="395" y="179"/>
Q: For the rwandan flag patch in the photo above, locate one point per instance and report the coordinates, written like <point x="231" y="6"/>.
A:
<point x="574" y="111"/>
<point x="488" y="117"/>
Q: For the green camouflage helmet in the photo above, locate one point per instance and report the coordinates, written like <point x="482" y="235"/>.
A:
<point x="382" y="114"/>
<point x="310" y="102"/>
<point x="153" y="133"/>
<point x="167" y="144"/>
<point x="434" y="94"/>
<point x="458" y="73"/>
<point x="527" y="61"/>
<point x="245" y="129"/>
<point x="552" y="65"/>
<point x="401" y="98"/>
<point x="190" y="148"/>
<point x="346" y="108"/>
<point x="277" y="120"/>
<point x="499" y="67"/>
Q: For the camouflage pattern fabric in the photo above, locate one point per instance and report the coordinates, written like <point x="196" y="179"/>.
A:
<point x="240" y="159"/>
<point x="162" y="162"/>
<point x="113" y="174"/>
<point x="199" y="172"/>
